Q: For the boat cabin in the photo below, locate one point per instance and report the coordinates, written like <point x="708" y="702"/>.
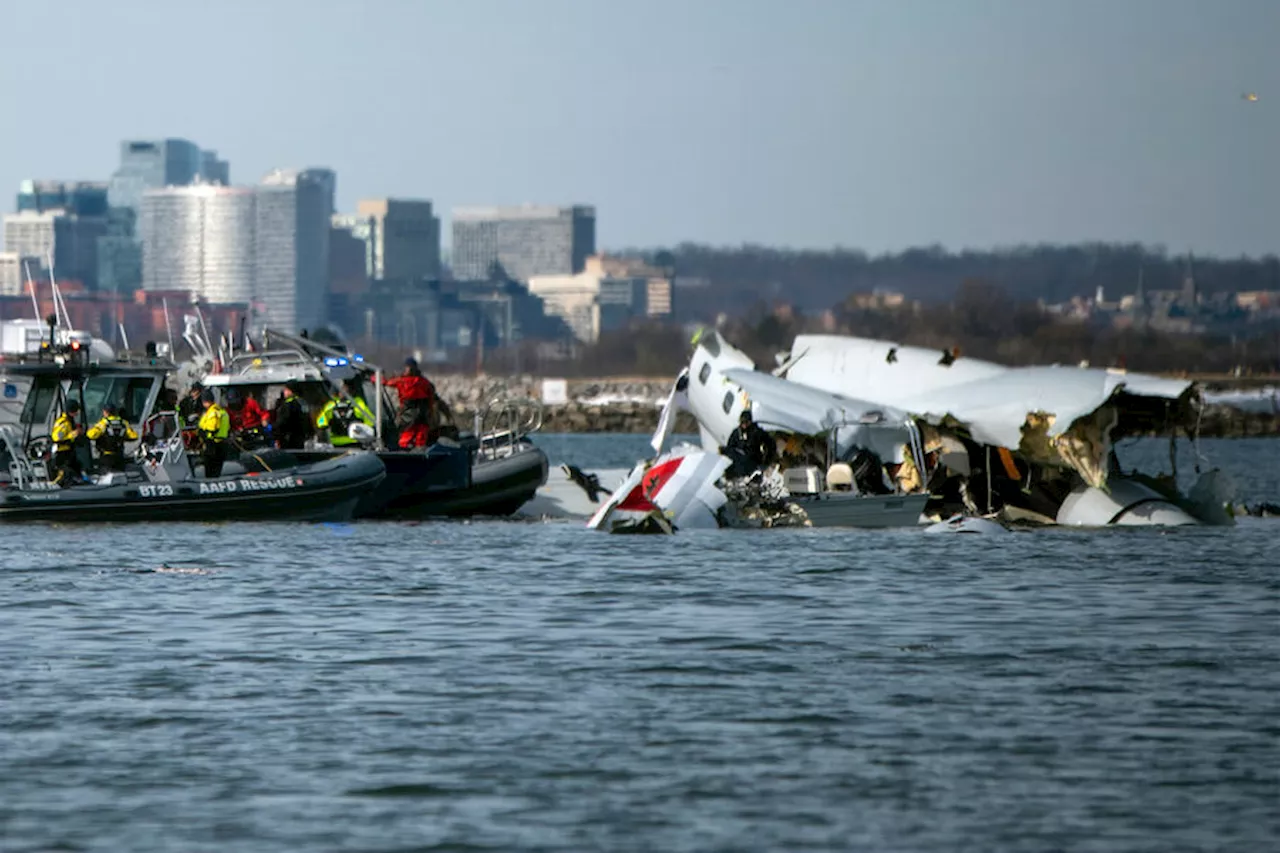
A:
<point x="37" y="387"/>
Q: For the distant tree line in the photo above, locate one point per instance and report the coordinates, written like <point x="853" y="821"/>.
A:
<point x="985" y="321"/>
<point x="812" y="280"/>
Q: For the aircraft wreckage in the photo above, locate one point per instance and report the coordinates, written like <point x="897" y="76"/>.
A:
<point x="872" y="433"/>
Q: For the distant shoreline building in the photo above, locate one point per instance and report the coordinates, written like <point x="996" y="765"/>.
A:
<point x="146" y="164"/>
<point x="266" y="246"/>
<point x="199" y="239"/>
<point x="62" y="219"/>
<point x="404" y="238"/>
<point x="527" y="240"/>
<point x="293" y="217"/>
<point x="608" y="294"/>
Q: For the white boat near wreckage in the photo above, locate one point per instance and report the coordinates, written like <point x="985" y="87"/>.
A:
<point x="875" y="434"/>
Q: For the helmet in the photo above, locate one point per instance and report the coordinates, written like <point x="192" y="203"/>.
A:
<point x="72" y="406"/>
<point x="233" y="396"/>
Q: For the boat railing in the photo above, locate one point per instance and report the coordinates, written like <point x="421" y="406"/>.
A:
<point x="163" y="458"/>
<point x="503" y="421"/>
<point x="28" y="468"/>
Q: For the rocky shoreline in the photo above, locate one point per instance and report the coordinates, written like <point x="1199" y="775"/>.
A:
<point x="592" y="405"/>
<point x="632" y="405"/>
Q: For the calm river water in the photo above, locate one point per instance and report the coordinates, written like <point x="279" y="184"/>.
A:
<point x="536" y="686"/>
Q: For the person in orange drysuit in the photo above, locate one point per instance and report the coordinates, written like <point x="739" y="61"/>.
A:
<point x="417" y="402"/>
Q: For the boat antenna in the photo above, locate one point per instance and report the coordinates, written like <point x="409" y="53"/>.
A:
<point x="57" y="295"/>
<point x="31" y="286"/>
<point x="168" y="328"/>
<point x="124" y="336"/>
<point x="204" y="330"/>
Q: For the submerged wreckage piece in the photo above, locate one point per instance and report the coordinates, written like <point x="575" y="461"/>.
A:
<point x="874" y="434"/>
<point x="1039" y="441"/>
<point x="968" y="524"/>
<point x="813" y="484"/>
<point x="676" y="491"/>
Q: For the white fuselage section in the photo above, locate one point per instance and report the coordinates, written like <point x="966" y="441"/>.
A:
<point x="716" y="402"/>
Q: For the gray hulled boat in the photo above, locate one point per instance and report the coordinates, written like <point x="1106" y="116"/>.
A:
<point x="161" y="483"/>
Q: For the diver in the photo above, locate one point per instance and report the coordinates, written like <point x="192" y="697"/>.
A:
<point x="247" y="418"/>
<point x="290" y="423"/>
<point x="749" y="448"/>
<point x="111" y="433"/>
<point x="338" y="415"/>
<point x="215" y="427"/>
<point x="64" y="435"/>
<point x="417" y="405"/>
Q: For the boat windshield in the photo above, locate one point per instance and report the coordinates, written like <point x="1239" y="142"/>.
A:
<point x="44" y="389"/>
<point x="130" y="393"/>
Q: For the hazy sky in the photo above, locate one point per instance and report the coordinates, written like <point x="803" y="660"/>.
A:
<point x="875" y="124"/>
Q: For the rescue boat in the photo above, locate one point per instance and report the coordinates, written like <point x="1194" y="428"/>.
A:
<point x="161" y="482"/>
<point x="491" y="470"/>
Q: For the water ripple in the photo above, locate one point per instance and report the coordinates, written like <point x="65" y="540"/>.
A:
<point x="492" y="686"/>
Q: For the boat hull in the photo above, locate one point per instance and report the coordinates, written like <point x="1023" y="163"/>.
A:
<point x="325" y="491"/>
<point x="839" y="509"/>
<point x="449" y="482"/>
<point x="497" y="487"/>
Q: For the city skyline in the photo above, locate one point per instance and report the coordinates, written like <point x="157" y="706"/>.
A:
<point x="815" y="124"/>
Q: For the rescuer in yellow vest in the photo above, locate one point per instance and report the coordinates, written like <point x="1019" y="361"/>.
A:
<point x="338" y="415"/>
<point x="64" y="434"/>
<point x="111" y="433"/>
<point x="214" y="427"/>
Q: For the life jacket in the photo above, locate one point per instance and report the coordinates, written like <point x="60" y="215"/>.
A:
<point x="61" y="434"/>
<point x="215" y="424"/>
<point x="344" y="412"/>
<point x="114" y="434"/>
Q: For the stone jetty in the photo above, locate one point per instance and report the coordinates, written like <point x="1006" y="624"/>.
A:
<point x="632" y="405"/>
<point x="619" y="405"/>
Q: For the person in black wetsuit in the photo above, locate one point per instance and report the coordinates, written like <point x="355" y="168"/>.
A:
<point x="190" y="408"/>
<point x="290" y="423"/>
<point x="749" y="448"/>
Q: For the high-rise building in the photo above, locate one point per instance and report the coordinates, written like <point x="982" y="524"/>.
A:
<point x="70" y="240"/>
<point x="527" y="241"/>
<point x="62" y="217"/>
<point x="31" y="233"/>
<point x="82" y="198"/>
<point x="354" y="228"/>
<point x="120" y="253"/>
<point x="404" y="238"/>
<point x="147" y="165"/>
<point x="199" y="239"/>
<point x="12" y="279"/>
<point x="213" y="170"/>
<point x="152" y="164"/>
<point x="292" y="221"/>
